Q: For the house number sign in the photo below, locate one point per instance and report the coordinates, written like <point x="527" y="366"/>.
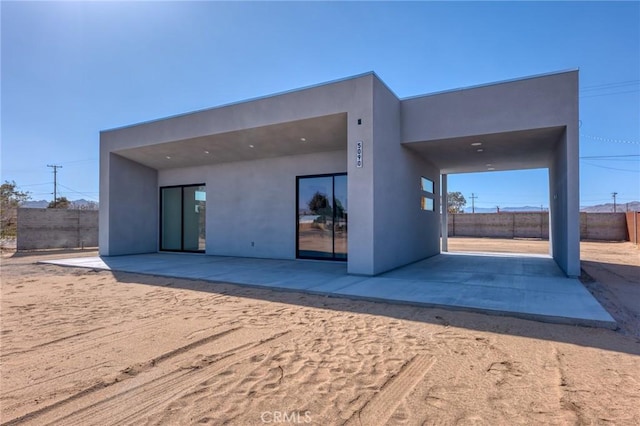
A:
<point x="359" y="154"/>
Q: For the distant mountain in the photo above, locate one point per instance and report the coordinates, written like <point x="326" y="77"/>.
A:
<point x="84" y="204"/>
<point x="600" y="208"/>
<point x="504" y="209"/>
<point x="39" y="204"/>
<point x="75" y="204"/>
<point x="608" y="208"/>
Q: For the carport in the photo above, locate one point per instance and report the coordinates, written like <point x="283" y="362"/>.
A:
<point x="514" y="125"/>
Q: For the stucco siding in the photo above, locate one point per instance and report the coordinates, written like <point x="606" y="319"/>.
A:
<point x="251" y="205"/>
<point x="132" y="216"/>
<point x="403" y="232"/>
<point x="535" y="102"/>
<point x="341" y="96"/>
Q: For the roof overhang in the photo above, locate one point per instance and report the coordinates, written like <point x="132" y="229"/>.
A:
<point x="513" y="150"/>
<point x="306" y="136"/>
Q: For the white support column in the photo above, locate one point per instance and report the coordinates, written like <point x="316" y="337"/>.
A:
<point x="444" y="217"/>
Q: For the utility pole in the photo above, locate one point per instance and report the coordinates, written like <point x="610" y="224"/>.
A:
<point x="473" y="202"/>
<point x="55" y="183"/>
<point x="614" y="200"/>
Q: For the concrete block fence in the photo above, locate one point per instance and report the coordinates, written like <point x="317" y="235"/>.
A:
<point x="56" y="228"/>
<point x="593" y="226"/>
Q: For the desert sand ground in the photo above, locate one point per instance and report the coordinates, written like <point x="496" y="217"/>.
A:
<point x="81" y="346"/>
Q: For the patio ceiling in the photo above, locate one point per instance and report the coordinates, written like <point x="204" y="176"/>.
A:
<point x="317" y="134"/>
<point x="525" y="149"/>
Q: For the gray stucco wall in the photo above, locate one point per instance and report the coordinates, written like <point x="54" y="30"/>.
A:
<point x="254" y="201"/>
<point x="557" y="205"/>
<point x="403" y="232"/>
<point x="516" y="105"/>
<point x="56" y="228"/>
<point x="565" y="203"/>
<point x="351" y="96"/>
<point x="129" y="220"/>
<point x="360" y="190"/>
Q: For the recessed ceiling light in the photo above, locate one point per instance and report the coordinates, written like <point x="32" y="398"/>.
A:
<point x="476" y="144"/>
<point x="489" y="165"/>
<point x="206" y="152"/>
<point x="303" y="139"/>
<point x="491" y="168"/>
<point x="480" y="149"/>
<point x="168" y="157"/>
<point x="251" y="146"/>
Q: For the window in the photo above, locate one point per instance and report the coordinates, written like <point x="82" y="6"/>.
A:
<point x="426" y="185"/>
<point x="427" y="204"/>
<point x="427" y="198"/>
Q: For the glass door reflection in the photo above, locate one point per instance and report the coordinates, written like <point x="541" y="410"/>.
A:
<point x="322" y="217"/>
<point x="171" y="219"/>
<point x="183" y="218"/>
<point x="340" y="217"/>
<point x="193" y="218"/>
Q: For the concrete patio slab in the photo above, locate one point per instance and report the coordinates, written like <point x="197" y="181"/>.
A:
<point x="524" y="286"/>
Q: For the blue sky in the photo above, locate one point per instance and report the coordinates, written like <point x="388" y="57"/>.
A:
<point x="71" y="69"/>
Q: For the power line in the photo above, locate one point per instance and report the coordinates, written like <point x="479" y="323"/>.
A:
<point x="80" y="161"/>
<point x="612" y="168"/>
<point x="601" y="139"/>
<point x="610" y="156"/>
<point x="78" y="192"/>
<point x="607" y="94"/>
<point x="615" y="160"/>
<point x="86" y="160"/>
<point x="628" y="159"/>
<point x="36" y="184"/>
<point x="605" y="85"/>
<point x="608" y="89"/>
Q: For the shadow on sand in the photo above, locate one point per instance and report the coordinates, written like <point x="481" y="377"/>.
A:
<point x="577" y="335"/>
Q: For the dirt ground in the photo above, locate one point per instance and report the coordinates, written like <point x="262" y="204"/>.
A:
<point x="81" y="346"/>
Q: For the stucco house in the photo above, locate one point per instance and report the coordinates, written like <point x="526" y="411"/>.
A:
<point x="341" y="171"/>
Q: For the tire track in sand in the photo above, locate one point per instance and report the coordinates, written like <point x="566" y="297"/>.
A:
<point x="380" y="408"/>
<point x="151" y="387"/>
<point x="129" y="372"/>
<point x="156" y="393"/>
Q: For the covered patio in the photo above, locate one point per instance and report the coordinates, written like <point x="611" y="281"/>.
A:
<point x="519" y="285"/>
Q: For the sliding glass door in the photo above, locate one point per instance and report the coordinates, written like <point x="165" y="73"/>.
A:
<point x="183" y="218"/>
<point x="171" y="219"/>
<point x="322" y="217"/>
<point x="340" y="217"/>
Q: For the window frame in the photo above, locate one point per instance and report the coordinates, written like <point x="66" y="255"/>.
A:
<point x="333" y="257"/>
<point x="427" y="195"/>
<point x="160" y="199"/>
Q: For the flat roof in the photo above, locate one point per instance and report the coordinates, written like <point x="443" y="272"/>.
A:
<point x="326" y="83"/>
<point x="476" y="86"/>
